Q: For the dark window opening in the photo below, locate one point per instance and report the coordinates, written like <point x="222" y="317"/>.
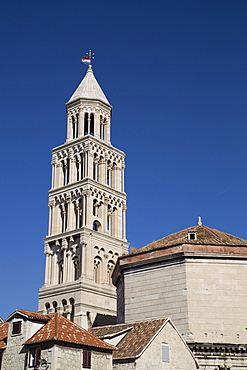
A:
<point x="192" y="236"/>
<point x="33" y="357"/>
<point x="86" y="359"/>
<point x="16" y="329"/>
<point x="86" y="124"/>
<point x="96" y="225"/>
<point x="91" y="124"/>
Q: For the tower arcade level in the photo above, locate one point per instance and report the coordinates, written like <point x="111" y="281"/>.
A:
<point x="87" y="205"/>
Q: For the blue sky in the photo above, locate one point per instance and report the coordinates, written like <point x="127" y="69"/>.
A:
<point x="175" y="73"/>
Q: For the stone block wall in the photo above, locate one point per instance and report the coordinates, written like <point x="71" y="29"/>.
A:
<point x="156" y="291"/>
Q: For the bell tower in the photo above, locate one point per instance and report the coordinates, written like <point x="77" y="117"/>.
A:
<point x="87" y="205"/>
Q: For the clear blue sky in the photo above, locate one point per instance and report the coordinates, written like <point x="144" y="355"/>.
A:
<point x="175" y="73"/>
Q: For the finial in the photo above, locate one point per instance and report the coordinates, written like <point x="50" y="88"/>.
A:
<point x="199" y="221"/>
<point x="88" y="58"/>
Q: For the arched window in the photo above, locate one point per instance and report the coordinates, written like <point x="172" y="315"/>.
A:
<point x="68" y="171"/>
<point x="76" y="269"/>
<point x="72" y="313"/>
<point x="75" y="126"/>
<point x="64" y="216"/>
<point x="86" y="124"/>
<point x="82" y="166"/>
<point x="64" y="173"/>
<point x="77" y="164"/>
<point x="95" y="207"/>
<point x="64" y="303"/>
<point x="109" y="219"/>
<point x="60" y="272"/>
<point x="54" y="305"/>
<point x="110" y="268"/>
<point x="96" y="225"/>
<point x="47" y="307"/>
<point x="91" y="124"/>
<point x="95" y="168"/>
<point x="97" y="269"/>
<point x="102" y="127"/>
<point x="108" y="173"/>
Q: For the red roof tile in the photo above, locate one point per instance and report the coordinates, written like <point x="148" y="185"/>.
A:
<point x="3" y="334"/>
<point x="136" y="339"/>
<point x="30" y="314"/>
<point x="204" y="236"/>
<point x="61" y="329"/>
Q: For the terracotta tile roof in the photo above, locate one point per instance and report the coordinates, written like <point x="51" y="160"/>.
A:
<point x="204" y="236"/>
<point x="61" y="329"/>
<point x="30" y="315"/>
<point x="136" y="339"/>
<point x="3" y="334"/>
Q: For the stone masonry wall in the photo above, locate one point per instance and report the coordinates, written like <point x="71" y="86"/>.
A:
<point x="217" y="300"/>
<point x="158" y="291"/>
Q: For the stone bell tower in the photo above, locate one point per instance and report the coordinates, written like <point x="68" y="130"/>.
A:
<point x="87" y="206"/>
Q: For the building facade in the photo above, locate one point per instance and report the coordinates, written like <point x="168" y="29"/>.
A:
<point x="87" y="206"/>
<point x="197" y="277"/>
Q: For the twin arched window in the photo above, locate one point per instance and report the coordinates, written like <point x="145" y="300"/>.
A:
<point x="89" y="124"/>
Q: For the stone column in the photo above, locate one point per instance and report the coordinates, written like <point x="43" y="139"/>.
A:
<point x="83" y="259"/>
<point x="47" y="252"/>
<point x="90" y="160"/>
<point x="97" y="124"/>
<point x="122" y="178"/>
<point x="65" y="262"/>
<point x="69" y="266"/>
<point x="73" y="169"/>
<point x="69" y="127"/>
<point x="81" y="122"/>
<point x="102" y="179"/>
<point x="51" y="205"/>
<point x="124" y="221"/>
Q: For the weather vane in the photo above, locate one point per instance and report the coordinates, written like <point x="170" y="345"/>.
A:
<point x="88" y="58"/>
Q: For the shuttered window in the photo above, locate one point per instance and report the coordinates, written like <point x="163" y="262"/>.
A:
<point x="86" y="359"/>
<point x="34" y="356"/>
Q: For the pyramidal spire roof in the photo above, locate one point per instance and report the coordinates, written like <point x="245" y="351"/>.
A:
<point x="89" y="88"/>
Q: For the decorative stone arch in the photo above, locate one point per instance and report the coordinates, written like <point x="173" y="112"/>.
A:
<point x="98" y="265"/>
<point x="110" y="268"/>
<point x="47" y="307"/>
<point x="96" y="225"/>
<point x="54" y="305"/>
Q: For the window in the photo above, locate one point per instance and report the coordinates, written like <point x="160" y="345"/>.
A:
<point x="96" y="225"/>
<point x="91" y="124"/>
<point x="33" y="357"/>
<point x="16" y="328"/>
<point x="97" y="269"/>
<point x="72" y="314"/>
<point x="54" y="305"/>
<point x="165" y="353"/>
<point x="192" y="235"/>
<point x="47" y="307"/>
<point x="86" y="124"/>
<point x="60" y="272"/>
<point x="76" y="269"/>
<point x="86" y="359"/>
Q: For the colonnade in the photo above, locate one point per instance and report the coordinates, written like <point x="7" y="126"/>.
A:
<point x="72" y="213"/>
<point x="87" y="164"/>
<point x="82" y="123"/>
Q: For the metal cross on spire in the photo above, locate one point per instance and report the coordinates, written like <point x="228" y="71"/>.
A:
<point x="88" y="58"/>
